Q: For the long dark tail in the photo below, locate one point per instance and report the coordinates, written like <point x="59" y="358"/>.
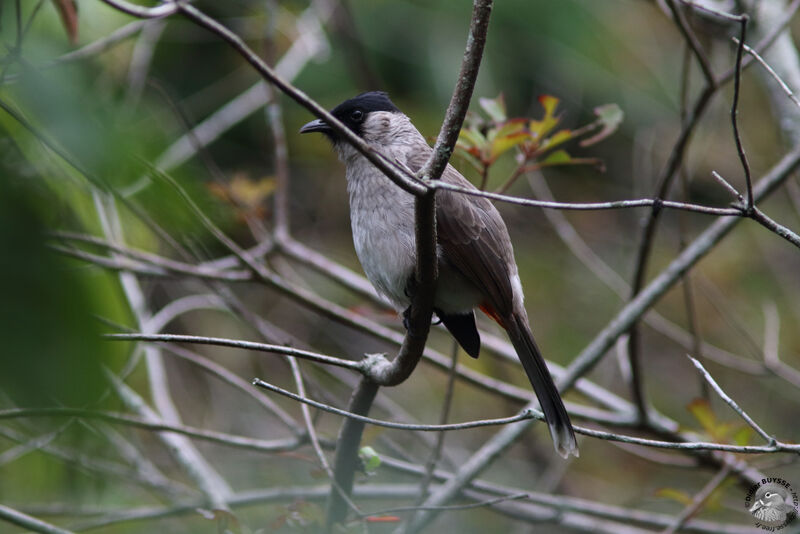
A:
<point x="554" y="412"/>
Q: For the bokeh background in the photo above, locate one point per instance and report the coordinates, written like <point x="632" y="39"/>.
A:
<point x="115" y="113"/>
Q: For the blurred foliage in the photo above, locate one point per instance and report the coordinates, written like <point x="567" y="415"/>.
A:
<point x="52" y="352"/>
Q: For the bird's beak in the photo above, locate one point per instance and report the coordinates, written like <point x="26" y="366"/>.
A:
<point x="317" y="125"/>
<point x="758" y="504"/>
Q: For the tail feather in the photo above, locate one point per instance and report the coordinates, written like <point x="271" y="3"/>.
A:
<point x="554" y="412"/>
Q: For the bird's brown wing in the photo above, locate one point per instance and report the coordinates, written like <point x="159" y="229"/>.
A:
<point x="473" y="239"/>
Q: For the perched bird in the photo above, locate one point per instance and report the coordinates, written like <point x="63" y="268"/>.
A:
<point x="476" y="260"/>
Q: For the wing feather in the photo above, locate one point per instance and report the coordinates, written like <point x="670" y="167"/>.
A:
<point x="473" y="238"/>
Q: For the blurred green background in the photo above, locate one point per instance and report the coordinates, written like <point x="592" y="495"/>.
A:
<point x="584" y="52"/>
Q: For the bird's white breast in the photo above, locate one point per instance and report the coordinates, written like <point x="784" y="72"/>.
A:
<point x="382" y="220"/>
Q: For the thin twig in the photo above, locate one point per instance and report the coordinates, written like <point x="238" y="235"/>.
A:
<point x="449" y="508"/>
<point x="239" y="344"/>
<point x="692" y="42"/>
<point x="770" y="71"/>
<point x="530" y="414"/>
<point x="589" y="206"/>
<point x="764" y="220"/>
<point x="698" y="500"/>
<point x="743" y="20"/>
<point x="430" y="465"/>
<point x="230" y="440"/>
<point x="164" y="10"/>
<point x="522" y="416"/>
<point x="15" y="517"/>
<point x="402" y="179"/>
<point x="730" y="402"/>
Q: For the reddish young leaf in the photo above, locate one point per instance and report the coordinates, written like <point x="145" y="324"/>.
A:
<point x="68" y="11"/>
<point x="382" y="519"/>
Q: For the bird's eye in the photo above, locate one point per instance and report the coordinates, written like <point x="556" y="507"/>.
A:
<point x="768" y="494"/>
<point x="357" y="115"/>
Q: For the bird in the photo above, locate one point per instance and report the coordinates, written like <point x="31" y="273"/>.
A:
<point x="476" y="262"/>
<point x="771" y="507"/>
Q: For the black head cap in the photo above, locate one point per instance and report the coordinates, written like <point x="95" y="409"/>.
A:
<point x="352" y="113"/>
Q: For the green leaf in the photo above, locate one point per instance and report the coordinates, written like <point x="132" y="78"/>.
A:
<point x="701" y="410"/>
<point x="370" y="459"/>
<point x="743" y="436"/>
<point x="472" y="138"/>
<point x="609" y="116"/>
<point x="504" y="144"/>
<point x="674" y="494"/>
<point x="494" y="107"/>
<point x="506" y="136"/>
<point x="561" y="136"/>
<point x="559" y="157"/>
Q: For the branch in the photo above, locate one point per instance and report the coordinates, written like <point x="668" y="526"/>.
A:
<point x="522" y="416"/>
<point x="459" y="102"/>
<point x="735" y="111"/>
<point x="27" y="522"/>
<point x="531" y="414"/>
<point x="402" y="179"/>
<point x="608" y="336"/>
<point x="589" y="206"/>
<point x="698" y="500"/>
<point x="241" y="442"/>
<point x="730" y="402"/>
<point x="239" y="344"/>
<point x="310" y="43"/>
<point x="691" y="39"/>
<point x="693" y="253"/>
<point x="756" y="214"/>
<point x="163" y="10"/>
<point x="426" y="272"/>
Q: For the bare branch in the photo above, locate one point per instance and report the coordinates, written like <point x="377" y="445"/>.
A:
<point x="701" y="246"/>
<point x="529" y="414"/>
<point x="27" y="522"/>
<point x="770" y="71"/>
<point x="730" y="402"/>
<point x="698" y="500"/>
<point x="522" y="416"/>
<point x="692" y="42"/>
<point x="743" y="20"/>
<point x="241" y="442"/>
<point x="392" y="171"/>
<point x="164" y="10"/>
<point x="587" y="206"/>
<point x="462" y="94"/>
<point x="239" y="344"/>
<point x="454" y="507"/>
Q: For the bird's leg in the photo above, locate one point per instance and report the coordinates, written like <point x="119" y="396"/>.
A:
<point x="409" y="290"/>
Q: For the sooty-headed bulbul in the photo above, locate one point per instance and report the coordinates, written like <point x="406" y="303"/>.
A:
<point x="476" y="260"/>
